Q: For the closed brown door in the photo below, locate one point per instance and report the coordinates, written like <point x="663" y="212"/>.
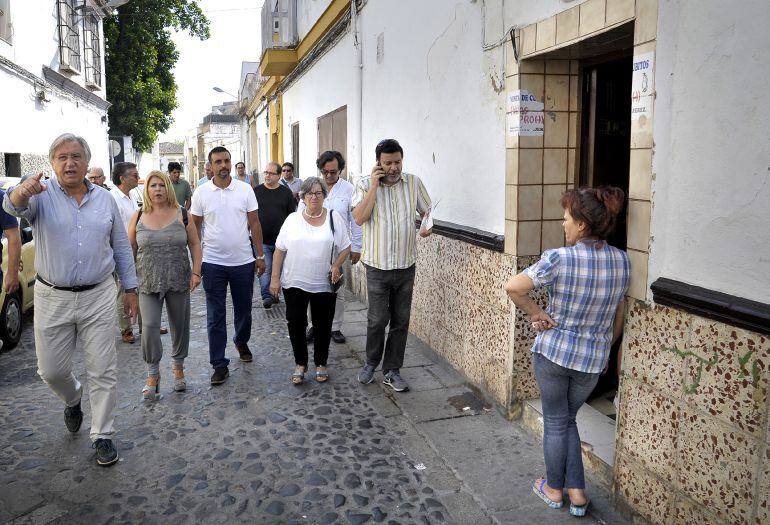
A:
<point x="333" y="134"/>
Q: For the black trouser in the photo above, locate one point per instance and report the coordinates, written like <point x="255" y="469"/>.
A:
<point x="322" y="313"/>
<point x="390" y="301"/>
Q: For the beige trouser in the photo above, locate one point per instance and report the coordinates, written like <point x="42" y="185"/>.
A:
<point x="123" y="320"/>
<point x="62" y="321"/>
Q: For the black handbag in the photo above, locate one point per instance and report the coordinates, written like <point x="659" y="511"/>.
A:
<point x="335" y="286"/>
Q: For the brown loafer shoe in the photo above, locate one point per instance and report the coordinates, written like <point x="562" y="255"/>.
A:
<point x="128" y="336"/>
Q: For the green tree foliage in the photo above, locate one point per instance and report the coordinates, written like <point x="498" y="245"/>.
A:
<point x="140" y="58"/>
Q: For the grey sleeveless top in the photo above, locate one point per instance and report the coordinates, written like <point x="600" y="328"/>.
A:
<point x="162" y="262"/>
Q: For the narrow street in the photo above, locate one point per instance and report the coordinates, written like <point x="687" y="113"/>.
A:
<point x="260" y="450"/>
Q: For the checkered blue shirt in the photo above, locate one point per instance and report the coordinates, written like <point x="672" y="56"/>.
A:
<point x="585" y="284"/>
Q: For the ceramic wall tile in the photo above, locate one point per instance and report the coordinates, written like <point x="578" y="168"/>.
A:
<point x="646" y="23"/>
<point x="762" y="496"/>
<point x="717" y="466"/>
<point x="652" y="340"/>
<point x="530" y="204"/>
<point x="556" y="129"/>
<point x="619" y="11"/>
<point x="556" y="90"/>
<point x="546" y="33"/>
<point x="640" y="489"/>
<point x="555" y="166"/>
<point x="567" y="23"/>
<point x="528" y="36"/>
<point x="531" y="165"/>
<point x="557" y="67"/>
<point x="591" y="16"/>
<point x="728" y="375"/>
<point x="649" y="427"/>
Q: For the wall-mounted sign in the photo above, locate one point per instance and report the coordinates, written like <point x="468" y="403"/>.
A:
<point x="642" y="86"/>
<point x="525" y="114"/>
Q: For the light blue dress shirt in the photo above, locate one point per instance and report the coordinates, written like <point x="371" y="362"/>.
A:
<point x="77" y="244"/>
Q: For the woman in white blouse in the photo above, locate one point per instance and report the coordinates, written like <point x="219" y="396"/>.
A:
<point x="309" y="247"/>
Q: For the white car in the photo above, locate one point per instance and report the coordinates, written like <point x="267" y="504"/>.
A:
<point x="18" y="303"/>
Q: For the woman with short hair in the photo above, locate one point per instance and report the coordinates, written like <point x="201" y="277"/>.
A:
<point x="586" y="281"/>
<point x="309" y="252"/>
<point x="161" y="236"/>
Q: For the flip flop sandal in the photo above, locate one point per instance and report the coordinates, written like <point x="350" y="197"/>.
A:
<point x="321" y="374"/>
<point x="537" y="488"/>
<point x="579" y="510"/>
<point x="298" y="378"/>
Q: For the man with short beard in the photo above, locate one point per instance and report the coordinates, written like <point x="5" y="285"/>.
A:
<point x="386" y="205"/>
<point x="226" y="210"/>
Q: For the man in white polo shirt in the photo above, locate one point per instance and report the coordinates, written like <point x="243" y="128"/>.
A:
<point x="228" y="210"/>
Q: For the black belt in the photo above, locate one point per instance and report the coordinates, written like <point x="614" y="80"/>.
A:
<point x="79" y="288"/>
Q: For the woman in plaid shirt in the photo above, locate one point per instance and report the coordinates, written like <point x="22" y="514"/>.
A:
<point x="586" y="281"/>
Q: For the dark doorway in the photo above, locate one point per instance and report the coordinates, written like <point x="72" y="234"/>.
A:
<point x="605" y="157"/>
<point x="606" y="130"/>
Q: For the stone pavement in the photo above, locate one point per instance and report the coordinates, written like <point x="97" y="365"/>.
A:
<point x="260" y="450"/>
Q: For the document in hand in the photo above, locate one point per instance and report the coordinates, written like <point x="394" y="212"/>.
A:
<point x="427" y="219"/>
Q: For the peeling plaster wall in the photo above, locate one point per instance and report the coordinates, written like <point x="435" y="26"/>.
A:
<point x="711" y="166"/>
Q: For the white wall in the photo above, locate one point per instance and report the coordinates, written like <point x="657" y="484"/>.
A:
<point x="436" y="91"/>
<point x="326" y="87"/>
<point x="308" y="11"/>
<point x="30" y="126"/>
<point x="262" y="140"/>
<point x="711" y="202"/>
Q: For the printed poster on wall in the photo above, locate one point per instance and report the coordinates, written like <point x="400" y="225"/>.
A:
<point x="642" y="86"/>
<point x="525" y="114"/>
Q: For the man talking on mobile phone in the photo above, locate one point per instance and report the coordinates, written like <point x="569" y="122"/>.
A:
<point x="386" y="206"/>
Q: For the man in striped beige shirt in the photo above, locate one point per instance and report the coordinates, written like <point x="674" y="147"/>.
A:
<point x="386" y="205"/>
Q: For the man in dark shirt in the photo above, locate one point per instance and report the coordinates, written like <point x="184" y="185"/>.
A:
<point x="276" y="202"/>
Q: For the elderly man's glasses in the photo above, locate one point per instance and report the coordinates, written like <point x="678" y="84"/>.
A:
<point x="330" y="172"/>
<point x="315" y="194"/>
<point x="269" y="173"/>
<point x="76" y="157"/>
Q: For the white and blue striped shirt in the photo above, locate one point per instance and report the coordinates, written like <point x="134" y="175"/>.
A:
<point x="585" y="284"/>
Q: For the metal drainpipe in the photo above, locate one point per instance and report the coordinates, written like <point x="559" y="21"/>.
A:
<point x="355" y="158"/>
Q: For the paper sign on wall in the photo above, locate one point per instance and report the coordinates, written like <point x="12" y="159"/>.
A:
<point x="642" y="86"/>
<point x="525" y="114"/>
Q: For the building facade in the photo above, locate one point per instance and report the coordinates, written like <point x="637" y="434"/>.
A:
<point x="51" y="75"/>
<point x="221" y="127"/>
<point x="501" y="106"/>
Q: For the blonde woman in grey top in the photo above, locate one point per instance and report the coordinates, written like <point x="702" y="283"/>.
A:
<point x="161" y="236"/>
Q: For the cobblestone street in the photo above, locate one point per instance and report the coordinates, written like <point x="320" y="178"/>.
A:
<point x="261" y="450"/>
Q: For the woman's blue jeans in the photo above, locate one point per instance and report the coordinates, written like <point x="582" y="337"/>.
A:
<point x="562" y="392"/>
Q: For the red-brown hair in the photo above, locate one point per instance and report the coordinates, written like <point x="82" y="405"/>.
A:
<point x="597" y="207"/>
